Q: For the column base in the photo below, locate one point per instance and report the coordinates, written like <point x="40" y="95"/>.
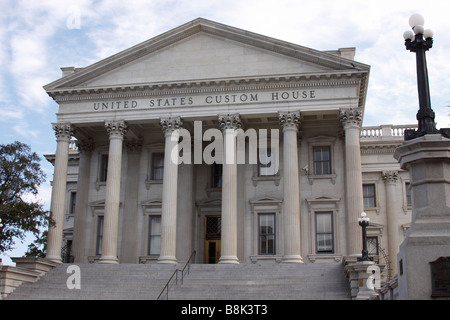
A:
<point x="54" y="259"/>
<point x="167" y="260"/>
<point x="292" y="259"/>
<point x="228" y="260"/>
<point x="108" y="260"/>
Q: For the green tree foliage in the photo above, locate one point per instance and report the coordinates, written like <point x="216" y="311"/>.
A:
<point x="20" y="177"/>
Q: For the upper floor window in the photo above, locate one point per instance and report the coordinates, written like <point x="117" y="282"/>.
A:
<point x="103" y="168"/>
<point x="369" y="196"/>
<point x="216" y="175"/>
<point x="157" y="170"/>
<point x="322" y="160"/>
<point x="408" y="194"/>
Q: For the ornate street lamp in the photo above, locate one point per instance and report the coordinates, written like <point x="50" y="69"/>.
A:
<point x="364" y="222"/>
<point x="419" y="42"/>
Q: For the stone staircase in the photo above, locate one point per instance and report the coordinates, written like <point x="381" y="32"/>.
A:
<point x="319" y="281"/>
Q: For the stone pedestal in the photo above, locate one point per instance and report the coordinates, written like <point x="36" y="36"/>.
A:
<point x="428" y="160"/>
<point x="364" y="278"/>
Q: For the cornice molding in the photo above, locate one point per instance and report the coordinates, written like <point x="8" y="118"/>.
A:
<point x="277" y="82"/>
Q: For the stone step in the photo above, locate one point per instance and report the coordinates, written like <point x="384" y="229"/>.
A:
<point x="231" y="282"/>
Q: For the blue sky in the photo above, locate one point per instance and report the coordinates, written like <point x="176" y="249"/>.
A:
<point x="39" y="37"/>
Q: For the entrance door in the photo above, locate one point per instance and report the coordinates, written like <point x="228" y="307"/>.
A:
<point x="212" y="239"/>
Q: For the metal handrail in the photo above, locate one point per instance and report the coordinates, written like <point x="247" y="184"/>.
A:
<point x="175" y="274"/>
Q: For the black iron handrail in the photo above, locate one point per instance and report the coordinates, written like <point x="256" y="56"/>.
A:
<point x="175" y="274"/>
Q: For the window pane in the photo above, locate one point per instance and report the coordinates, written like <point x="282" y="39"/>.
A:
<point x="408" y="194"/>
<point x="266" y="233"/>
<point x="154" y="235"/>
<point x="157" y="166"/>
<point x="369" y="195"/>
<point x="98" y="249"/>
<point x="324" y="232"/>
<point x="103" y="168"/>
<point x="322" y="160"/>
<point x="217" y="170"/>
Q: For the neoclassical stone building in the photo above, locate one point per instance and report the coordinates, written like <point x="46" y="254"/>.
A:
<point x="241" y="147"/>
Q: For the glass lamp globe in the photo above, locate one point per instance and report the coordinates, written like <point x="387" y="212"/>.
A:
<point x="416" y="20"/>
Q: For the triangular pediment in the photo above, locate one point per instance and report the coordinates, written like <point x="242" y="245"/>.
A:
<point x="202" y="50"/>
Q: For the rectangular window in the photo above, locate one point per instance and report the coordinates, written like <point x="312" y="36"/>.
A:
<point x="216" y="175"/>
<point x="73" y="199"/>
<point x="324" y="232"/>
<point x="408" y="194"/>
<point x="266" y="233"/>
<point x="154" y="235"/>
<point x="103" y="168"/>
<point x="372" y="245"/>
<point x="369" y="196"/>
<point x="322" y="160"/>
<point x="157" y="166"/>
<point x="98" y="247"/>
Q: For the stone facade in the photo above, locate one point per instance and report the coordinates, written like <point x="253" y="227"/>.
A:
<point x="285" y="122"/>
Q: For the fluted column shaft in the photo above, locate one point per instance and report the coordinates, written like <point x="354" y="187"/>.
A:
<point x="81" y="213"/>
<point x="291" y="206"/>
<point x="390" y="179"/>
<point x="351" y="120"/>
<point x="229" y="124"/>
<point x="116" y="131"/>
<point x="63" y="132"/>
<point x="170" y="185"/>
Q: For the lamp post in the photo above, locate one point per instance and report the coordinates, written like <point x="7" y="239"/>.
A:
<point x="364" y="222"/>
<point x="420" y="41"/>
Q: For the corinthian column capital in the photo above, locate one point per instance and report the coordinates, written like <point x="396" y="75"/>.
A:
<point x="390" y="176"/>
<point x="229" y="121"/>
<point x="169" y="125"/>
<point x="289" y="120"/>
<point x="116" y="128"/>
<point x="63" y="130"/>
<point x="351" y="117"/>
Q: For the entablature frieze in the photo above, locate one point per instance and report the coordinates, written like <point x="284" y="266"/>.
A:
<point x="208" y="86"/>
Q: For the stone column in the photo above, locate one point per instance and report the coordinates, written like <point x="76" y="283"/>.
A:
<point x="63" y="132"/>
<point x="291" y="206"/>
<point x="351" y="120"/>
<point x="81" y="206"/>
<point x="171" y="130"/>
<point x="116" y="131"/>
<point x="129" y="249"/>
<point x="390" y="179"/>
<point x="229" y="124"/>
